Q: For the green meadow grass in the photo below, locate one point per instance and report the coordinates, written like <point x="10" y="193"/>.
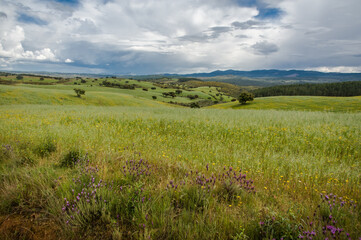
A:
<point x="291" y="156"/>
<point x="95" y="95"/>
<point x="333" y="104"/>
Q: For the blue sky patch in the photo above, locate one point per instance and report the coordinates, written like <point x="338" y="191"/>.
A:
<point x="246" y="3"/>
<point x="269" y="13"/>
<point x="70" y="2"/>
<point x="30" y="19"/>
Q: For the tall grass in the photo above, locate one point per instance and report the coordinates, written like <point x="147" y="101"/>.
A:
<point x="291" y="157"/>
<point x="299" y="103"/>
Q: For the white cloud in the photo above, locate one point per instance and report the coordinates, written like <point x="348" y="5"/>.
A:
<point x="11" y="47"/>
<point x="182" y="36"/>
<point x="339" y="69"/>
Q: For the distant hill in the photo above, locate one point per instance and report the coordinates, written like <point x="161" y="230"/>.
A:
<point x="273" y="77"/>
<point x="256" y="78"/>
<point x="273" y="73"/>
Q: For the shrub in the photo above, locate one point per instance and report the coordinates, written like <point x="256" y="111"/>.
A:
<point x="154" y="97"/>
<point x="70" y="159"/>
<point x="145" y="89"/>
<point x="19" y="77"/>
<point x="194" y="105"/>
<point x="45" y="148"/>
<point x="79" y="92"/>
<point x="153" y="88"/>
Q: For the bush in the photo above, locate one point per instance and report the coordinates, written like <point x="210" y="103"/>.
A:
<point x="19" y="77"/>
<point x="45" y="148"/>
<point x="194" y="105"/>
<point x="153" y="88"/>
<point x="154" y="97"/>
<point x="70" y="159"/>
<point x="79" y="92"/>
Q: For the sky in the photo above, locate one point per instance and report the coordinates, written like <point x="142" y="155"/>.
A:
<point x="183" y="36"/>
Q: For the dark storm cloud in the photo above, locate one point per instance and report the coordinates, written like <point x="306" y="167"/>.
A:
<point x="211" y="33"/>
<point x="141" y="36"/>
<point x="250" y="24"/>
<point x="265" y="48"/>
<point x="3" y="15"/>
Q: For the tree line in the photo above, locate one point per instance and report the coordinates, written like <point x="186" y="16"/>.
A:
<point x="340" y="89"/>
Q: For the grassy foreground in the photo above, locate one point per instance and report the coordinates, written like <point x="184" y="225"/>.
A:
<point x="95" y="172"/>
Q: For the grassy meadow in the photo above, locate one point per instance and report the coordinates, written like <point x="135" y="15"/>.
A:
<point x="133" y="168"/>
<point x="299" y="103"/>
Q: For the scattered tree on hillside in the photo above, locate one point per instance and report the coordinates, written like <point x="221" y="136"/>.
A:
<point x="245" y="97"/>
<point x="194" y="105"/>
<point x="79" y="92"/>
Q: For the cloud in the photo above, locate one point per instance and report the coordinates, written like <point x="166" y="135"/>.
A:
<point x="11" y="48"/>
<point x="154" y="36"/>
<point x="264" y="48"/>
<point x="341" y="69"/>
<point x="3" y="15"/>
<point x="68" y="60"/>
<point x="250" y="24"/>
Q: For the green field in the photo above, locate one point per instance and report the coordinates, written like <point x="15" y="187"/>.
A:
<point x="118" y="165"/>
<point x="299" y="103"/>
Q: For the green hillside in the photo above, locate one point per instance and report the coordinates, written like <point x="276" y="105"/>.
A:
<point x="118" y="164"/>
<point x="299" y="103"/>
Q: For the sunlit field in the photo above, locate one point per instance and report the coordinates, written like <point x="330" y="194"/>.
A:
<point x="300" y="103"/>
<point x="177" y="173"/>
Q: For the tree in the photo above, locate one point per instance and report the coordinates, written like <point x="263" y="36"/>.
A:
<point x="245" y="97"/>
<point x="194" y="105"/>
<point x="79" y="92"/>
<point x="19" y="77"/>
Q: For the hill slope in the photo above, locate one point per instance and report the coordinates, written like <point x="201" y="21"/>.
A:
<point x="303" y="103"/>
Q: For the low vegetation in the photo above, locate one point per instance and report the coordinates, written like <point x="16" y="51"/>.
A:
<point x="121" y="164"/>
<point x="341" y="89"/>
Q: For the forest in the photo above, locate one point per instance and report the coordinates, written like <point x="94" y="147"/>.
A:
<point x="340" y="89"/>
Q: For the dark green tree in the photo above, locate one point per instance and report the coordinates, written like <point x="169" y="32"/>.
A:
<point x="245" y="97"/>
<point x="79" y="92"/>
